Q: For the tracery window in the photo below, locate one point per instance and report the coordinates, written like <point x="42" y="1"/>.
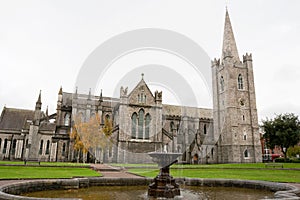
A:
<point x="141" y="124"/>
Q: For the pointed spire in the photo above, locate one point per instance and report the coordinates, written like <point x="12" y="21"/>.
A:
<point x="101" y="97"/>
<point x="229" y="46"/>
<point x="90" y="95"/>
<point x="38" y="104"/>
<point x="75" y="96"/>
<point x="60" y="91"/>
<point x="39" y="98"/>
<point x="47" y="111"/>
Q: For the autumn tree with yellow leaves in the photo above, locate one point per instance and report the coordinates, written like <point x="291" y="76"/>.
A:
<point x="88" y="136"/>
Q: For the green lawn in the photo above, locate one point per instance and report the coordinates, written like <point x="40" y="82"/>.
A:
<point x="218" y="166"/>
<point x="238" y="173"/>
<point x="28" y="172"/>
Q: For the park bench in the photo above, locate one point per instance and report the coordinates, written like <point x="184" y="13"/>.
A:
<point x="26" y="161"/>
<point x="274" y="165"/>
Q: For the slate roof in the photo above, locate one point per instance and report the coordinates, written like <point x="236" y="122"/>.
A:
<point x="47" y="126"/>
<point x="187" y="111"/>
<point x="15" y="119"/>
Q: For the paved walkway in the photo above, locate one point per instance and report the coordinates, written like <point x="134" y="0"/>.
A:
<point x="113" y="172"/>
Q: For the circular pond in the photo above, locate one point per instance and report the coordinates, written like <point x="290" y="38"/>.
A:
<point x="140" y="192"/>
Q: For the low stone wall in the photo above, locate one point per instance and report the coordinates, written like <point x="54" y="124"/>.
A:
<point x="11" y="191"/>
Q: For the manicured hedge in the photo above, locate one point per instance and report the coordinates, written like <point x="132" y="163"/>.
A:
<point x="288" y="160"/>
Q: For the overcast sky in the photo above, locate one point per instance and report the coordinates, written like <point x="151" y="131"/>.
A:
<point x="43" y="44"/>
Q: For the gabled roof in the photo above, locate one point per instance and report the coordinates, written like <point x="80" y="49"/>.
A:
<point x="15" y="119"/>
<point x="141" y="83"/>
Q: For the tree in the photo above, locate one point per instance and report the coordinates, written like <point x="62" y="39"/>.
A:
<point x="88" y="136"/>
<point x="283" y="131"/>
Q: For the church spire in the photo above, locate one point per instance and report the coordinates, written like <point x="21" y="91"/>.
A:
<point x="38" y="104"/>
<point x="229" y="46"/>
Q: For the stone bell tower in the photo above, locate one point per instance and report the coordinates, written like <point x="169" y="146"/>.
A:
<point x="234" y="104"/>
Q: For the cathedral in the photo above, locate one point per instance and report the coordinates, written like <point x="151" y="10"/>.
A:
<point x="142" y="123"/>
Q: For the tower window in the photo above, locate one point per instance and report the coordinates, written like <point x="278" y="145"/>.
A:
<point x="246" y="154"/>
<point x="240" y="82"/>
<point x="222" y="83"/>
<point x="204" y="129"/>
<point x="245" y="136"/>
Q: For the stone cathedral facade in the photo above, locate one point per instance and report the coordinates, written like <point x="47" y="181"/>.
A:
<point x="142" y="123"/>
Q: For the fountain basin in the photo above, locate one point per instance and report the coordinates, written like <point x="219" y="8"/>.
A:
<point x="164" y="159"/>
<point x="11" y="191"/>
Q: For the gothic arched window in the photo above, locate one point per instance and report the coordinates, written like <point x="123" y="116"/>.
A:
<point x="48" y="147"/>
<point x="4" y="146"/>
<point x="63" y="149"/>
<point x="222" y="83"/>
<point x="240" y="82"/>
<point x="133" y="125"/>
<point x="14" y="145"/>
<point x="67" y="119"/>
<point x="147" y="126"/>
<point x="41" y="147"/>
<point x="141" y="124"/>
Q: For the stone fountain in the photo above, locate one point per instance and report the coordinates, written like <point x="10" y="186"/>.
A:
<point x="164" y="185"/>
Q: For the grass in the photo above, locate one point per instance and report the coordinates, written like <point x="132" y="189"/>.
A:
<point x="218" y="166"/>
<point x="247" y="171"/>
<point x="292" y="176"/>
<point x="29" y="172"/>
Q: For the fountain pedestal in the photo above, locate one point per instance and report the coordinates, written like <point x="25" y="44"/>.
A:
<point x="164" y="184"/>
